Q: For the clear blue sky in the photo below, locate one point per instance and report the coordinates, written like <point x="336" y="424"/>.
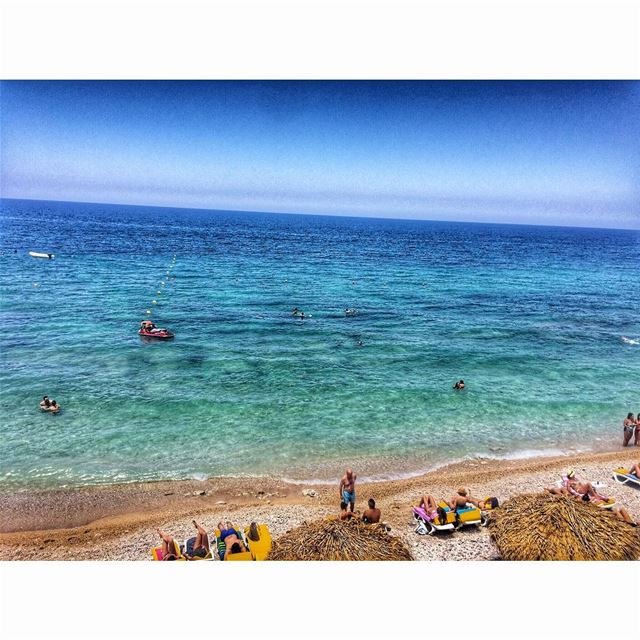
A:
<point x="533" y="152"/>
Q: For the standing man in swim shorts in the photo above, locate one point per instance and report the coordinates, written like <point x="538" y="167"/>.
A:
<point x="347" y="488"/>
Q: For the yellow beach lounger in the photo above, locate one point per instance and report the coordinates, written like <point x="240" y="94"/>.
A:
<point x="260" y="548"/>
<point x="469" y="516"/>
<point x="222" y="548"/>
<point x="623" y="476"/>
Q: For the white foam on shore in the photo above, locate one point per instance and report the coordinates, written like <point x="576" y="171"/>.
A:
<point x="523" y="454"/>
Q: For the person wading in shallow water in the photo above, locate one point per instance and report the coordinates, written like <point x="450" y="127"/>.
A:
<point x="628" y="425"/>
<point x="347" y="489"/>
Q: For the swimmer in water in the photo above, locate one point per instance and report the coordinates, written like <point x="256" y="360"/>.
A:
<point x="459" y="385"/>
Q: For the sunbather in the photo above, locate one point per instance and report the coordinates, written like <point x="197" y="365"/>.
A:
<point x="372" y="514"/>
<point x="635" y="470"/>
<point x="622" y="514"/>
<point x="169" y="546"/>
<point x="581" y="489"/>
<point x="344" y="513"/>
<point x="460" y="500"/>
<point x="431" y="508"/>
<point x="231" y="539"/>
<point x="564" y="489"/>
<point x="200" y="547"/>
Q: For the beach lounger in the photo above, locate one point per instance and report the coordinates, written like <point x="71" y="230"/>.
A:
<point x="260" y="548"/>
<point x="622" y="476"/>
<point x="156" y="552"/>
<point x="188" y="548"/>
<point x="609" y="503"/>
<point x="221" y="547"/>
<point x="425" y="525"/>
<point x="467" y="517"/>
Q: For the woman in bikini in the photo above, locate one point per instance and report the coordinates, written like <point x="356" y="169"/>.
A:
<point x="431" y="508"/>
<point x="629" y="425"/>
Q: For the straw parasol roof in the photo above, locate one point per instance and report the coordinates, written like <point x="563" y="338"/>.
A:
<point x="548" y="527"/>
<point x="338" y="540"/>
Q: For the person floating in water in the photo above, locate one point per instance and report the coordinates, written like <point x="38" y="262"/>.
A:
<point x="49" y="405"/>
<point x="295" y="311"/>
<point x="459" y="385"/>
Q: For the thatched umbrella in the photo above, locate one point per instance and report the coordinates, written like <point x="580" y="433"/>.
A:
<point x="338" y="540"/>
<point x="549" y="527"/>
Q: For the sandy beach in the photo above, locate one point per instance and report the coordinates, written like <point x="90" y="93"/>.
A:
<point x="118" y="522"/>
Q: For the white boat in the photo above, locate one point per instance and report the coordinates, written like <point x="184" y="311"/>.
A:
<point x="35" y="254"/>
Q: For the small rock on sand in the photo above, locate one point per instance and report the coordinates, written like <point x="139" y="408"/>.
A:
<point x="221" y="502"/>
<point x="312" y="493"/>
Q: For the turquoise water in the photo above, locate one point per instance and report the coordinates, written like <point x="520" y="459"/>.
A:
<point x="531" y="317"/>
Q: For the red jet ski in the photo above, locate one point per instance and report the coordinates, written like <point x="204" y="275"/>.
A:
<point x="149" y="330"/>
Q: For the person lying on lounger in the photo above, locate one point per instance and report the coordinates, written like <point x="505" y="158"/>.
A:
<point x="460" y="500"/>
<point x="169" y="546"/>
<point x="200" y="547"/>
<point x="584" y="491"/>
<point x="563" y="490"/>
<point x="431" y="508"/>
<point x="622" y="514"/>
<point x="231" y="539"/>
<point x="635" y="470"/>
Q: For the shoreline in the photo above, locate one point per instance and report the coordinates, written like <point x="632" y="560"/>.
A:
<point x="78" y="523"/>
<point x="330" y="470"/>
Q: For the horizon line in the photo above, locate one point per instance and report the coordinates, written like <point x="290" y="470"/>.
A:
<point x="324" y="215"/>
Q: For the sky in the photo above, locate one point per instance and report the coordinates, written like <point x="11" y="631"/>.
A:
<point x="559" y="153"/>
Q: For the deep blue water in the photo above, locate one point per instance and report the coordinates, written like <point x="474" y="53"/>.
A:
<point x="531" y="317"/>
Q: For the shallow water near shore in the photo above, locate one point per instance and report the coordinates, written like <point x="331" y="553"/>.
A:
<point x="531" y="317"/>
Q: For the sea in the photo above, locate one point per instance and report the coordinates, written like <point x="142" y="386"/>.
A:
<point x="541" y="323"/>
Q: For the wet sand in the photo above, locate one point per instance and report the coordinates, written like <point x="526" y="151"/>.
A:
<point x="118" y="522"/>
